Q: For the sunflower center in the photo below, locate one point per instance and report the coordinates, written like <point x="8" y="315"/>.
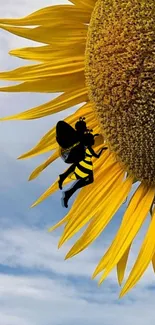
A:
<point x="120" y="66"/>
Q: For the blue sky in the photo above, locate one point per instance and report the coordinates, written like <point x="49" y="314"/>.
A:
<point x="37" y="287"/>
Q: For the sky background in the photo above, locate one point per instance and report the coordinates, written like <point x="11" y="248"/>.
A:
<point x="37" y="287"/>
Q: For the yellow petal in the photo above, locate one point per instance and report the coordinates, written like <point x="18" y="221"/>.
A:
<point x="50" y="53"/>
<point x="64" y="31"/>
<point x="103" y="165"/>
<point x="53" y="188"/>
<point x="38" y="71"/>
<point x="104" y="214"/>
<point x="144" y="258"/>
<point x="129" y="231"/>
<point x="58" y="224"/>
<point x="49" y="15"/>
<point x="54" y="84"/>
<point x="132" y="206"/>
<point x="83" y="193"/>
<point x="58" y="104"/>
<point x="40" y="168"/>
<point x="49" y="191"/>
<point x="48" y="142"/>
<point x="121" y="266"/>
<point x="96" y="198"/>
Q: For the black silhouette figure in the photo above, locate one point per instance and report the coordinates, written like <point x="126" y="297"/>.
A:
<point x="71" y="141"/>
<point x="76" y="148"/>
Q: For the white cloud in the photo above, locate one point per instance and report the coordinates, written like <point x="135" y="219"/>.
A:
<point x="37" y="250"/>
<point x="61" y="292"/>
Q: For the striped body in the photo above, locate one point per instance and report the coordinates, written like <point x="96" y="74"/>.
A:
<point x="84" y="168"/>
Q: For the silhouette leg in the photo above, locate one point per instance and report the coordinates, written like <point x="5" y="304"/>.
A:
<point x="79" y="184"/>
<point x="63" y="176"/>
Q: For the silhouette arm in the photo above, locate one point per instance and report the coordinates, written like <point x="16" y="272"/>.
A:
<point x="94" y="154"/>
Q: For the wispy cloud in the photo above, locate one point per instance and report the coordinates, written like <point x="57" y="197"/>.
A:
<point x="47" y="290"/>
<point x="37" y="250"/>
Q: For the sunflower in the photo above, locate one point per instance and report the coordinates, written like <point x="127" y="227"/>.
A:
<point x="100" y="54"/>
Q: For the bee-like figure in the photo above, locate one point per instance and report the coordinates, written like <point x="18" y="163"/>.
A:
<point x="76" y="149"/>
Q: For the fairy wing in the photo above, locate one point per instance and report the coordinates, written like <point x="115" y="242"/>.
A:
<point x="66" y="136"/>
<point x="75" y="155"/>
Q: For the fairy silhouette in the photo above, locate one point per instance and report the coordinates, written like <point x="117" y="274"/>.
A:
<point x="76" y="149"/>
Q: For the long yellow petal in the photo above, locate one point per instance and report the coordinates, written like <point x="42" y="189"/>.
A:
<point x="132" y="206"/>
<point x="53" y="188"/>
<point x="55" y="33"/>
<point x="130" y="231"/>
<point x="44" y="165"/>
<point x="40" y="168"/>
<point x="69" y="215"/>
<point x="58" y="224"/>
<point x="85" y="240"/>
<point x="38" y="71"/>
<point x="49" y="191"/>
<point x="121" y="266"/>
<point x="48" y="141"/>
<point x="49" y="53"/>
<point x="84" y="215"/>
<point x="64" y="220"/>
<point x="54" y="84"/>
<point x="83" y="194"/>
<point x="105" y="212"/>
<point x="51" y="14"/>
<point x="144" y="258"/>
<point x="66" y="100"/>
<point x="104" y="164"/>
